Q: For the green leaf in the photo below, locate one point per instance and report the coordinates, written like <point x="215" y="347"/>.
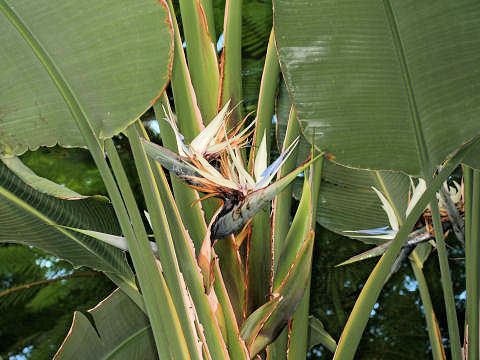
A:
<point x="347" y="200"/>
<point x="113" y="56"/>
<point x="202" y="57"/>
<point x="266" y="323"/>
<point x="387" y="81"/>
<point x="231" y="59"/>
<point x="317" y="335"/>
<point x="299" y="229"/>
<point x="259" y="256"/>
<point x="29" y="217"/>
<point x="120" y="330"/>
<point x="376" y="251"/>
<point x="41" y="184"/>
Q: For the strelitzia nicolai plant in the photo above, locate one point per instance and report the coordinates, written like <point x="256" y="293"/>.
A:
<point x="183" y="318"/>
<point x="261" y="273"/>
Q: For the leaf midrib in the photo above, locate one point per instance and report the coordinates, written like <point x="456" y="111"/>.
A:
<point x="125" y="342"/>
<point x="31" y="210"/>
<point x="413" y="107"/>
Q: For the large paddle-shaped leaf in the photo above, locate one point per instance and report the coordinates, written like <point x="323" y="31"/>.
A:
<point x="120" y="331"/>
<point x="113" y="56"/>
<point x="28" y="216"/>
<point x="347" y="200"/>
<point x="383" y="84"/>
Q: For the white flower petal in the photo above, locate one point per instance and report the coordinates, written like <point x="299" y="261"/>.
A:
<point x="388" y="209"/>
<point x="243" y="176"/>
<point x="417" y="194"/>
<point x="383" y="237"/>
<point x="270" y="172"/>
<point x="203" y="140"/>
<point x="182" y="148"/>
<point x="261" y="159"/>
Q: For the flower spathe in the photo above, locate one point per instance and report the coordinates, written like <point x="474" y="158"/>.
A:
<point x="213" y="164"/>
<point x="389" y="233"/>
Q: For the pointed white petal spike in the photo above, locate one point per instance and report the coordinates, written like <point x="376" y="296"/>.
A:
<point x="261" y="159"/>
<point x="270" y="172"/>
<point x="182" y="148"/>
<point x="248" y="179"/>
<point x="219" y="180"/>
<point x="210" y="173"/>
<point x="243" y="176"/>
<point x="217" y="147"/>
<point x="416" y="195"/>
<point x="201" y="142"/>
<point x="235" y="219"/>
<point x="388" y="209"/>
<point x="147" y="215"/>
<point x="456" y="192"/>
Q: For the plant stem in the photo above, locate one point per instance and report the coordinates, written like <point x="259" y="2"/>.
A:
<point x="299" y="334"/>
<point x="282" y="205"/>
<point x="188" y="265"/>
<point x="208" y="10"/>
<point x="160" y="308"/>
<point x="260" y="250"/>
<point x="472" y="254"/>
<point x="283" y="202"/>
<point x="202" y="58"/>
<point x="163" y="237"/>
<point x="453" y="332"/>
<point x="434" y="335"/>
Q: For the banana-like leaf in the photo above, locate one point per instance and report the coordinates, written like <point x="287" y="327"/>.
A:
<point x="120" y="330"/>
<point x="112" y="56"/>
<point x="29" y="216"/>
<point x="41" y="184"/>
<point x="317" y="335"/>
<point x="266" y="323"/>
<point x="388" y="81"/>
<point x="347" y="200"/>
